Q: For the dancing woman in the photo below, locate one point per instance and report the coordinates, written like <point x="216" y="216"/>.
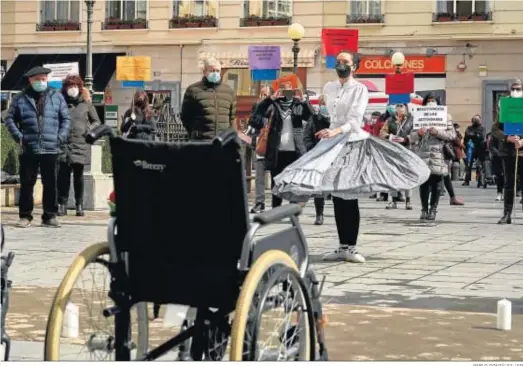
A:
<point x="348" y="161"/>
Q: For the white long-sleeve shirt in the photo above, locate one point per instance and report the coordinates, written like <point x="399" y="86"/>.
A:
<point x="346" y="105"/>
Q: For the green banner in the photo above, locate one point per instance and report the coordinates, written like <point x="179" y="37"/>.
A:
<point x="511" y="110"/>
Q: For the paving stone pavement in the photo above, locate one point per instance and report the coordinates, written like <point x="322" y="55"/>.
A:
<point x="462" y="262"/>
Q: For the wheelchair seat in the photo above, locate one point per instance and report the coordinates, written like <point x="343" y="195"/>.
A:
<point x="181" y="216"/>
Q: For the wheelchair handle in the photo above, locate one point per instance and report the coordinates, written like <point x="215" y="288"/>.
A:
<point x="98" y="132"/>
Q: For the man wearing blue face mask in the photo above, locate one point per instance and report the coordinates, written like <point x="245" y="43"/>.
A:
<point x="209" y="105"/>
<point x="39" y="121"/>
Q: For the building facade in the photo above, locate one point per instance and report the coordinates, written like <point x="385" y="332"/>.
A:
<point x="466" y="51"/>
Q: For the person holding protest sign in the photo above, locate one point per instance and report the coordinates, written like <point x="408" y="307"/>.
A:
<point x="397" y="129"/>
<point x="510" y="150"/>
<point x="348" y="161"/>
<point x="431" y="143"/>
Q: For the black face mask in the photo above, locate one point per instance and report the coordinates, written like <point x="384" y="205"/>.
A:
<point x="475" y="122"/>
<point x="343" y="70"/>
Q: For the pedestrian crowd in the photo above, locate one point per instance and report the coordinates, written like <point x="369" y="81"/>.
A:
<point x="313" y="151"/>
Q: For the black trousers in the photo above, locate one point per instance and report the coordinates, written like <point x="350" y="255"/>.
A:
<point x="509" y="168"/>
<point x="29" y="167"/>
<point x="497" y="169"/>
<point x="285" y="158"/>
<point x="64" y="183"/>
<point x="319" y="205"/>
<point x="431" y="188"/>
<point x="480" y="172"/>
<point x="347" y="217"/>
<point x="447" y="182"/>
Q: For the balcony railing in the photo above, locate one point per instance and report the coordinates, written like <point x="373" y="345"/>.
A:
<point x="192" y="21"/>
<point x="113" y="23"/>
<point x="368" y="19"/>
<point x="255" y="21"/>
<point x="452" y="17"/>
<point x="56" y="26"/>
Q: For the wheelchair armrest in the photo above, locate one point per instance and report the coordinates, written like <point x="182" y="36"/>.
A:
<point x="277" y="214"/>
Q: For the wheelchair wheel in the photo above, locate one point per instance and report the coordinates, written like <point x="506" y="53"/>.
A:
<point x="273" y="285"/>
<point x="94" y="338"/>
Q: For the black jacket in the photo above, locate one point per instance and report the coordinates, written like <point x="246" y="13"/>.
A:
<point x="141" y="128"/>
<point x="317" y="123"/>
<point x="300" y="112"/>
<point x="477" y="135"/>
<point x="83" y="118"/>
<point x="504" y="148"/>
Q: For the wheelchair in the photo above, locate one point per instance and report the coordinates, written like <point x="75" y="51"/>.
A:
<point x="5" y="263"/>
<point x="181" y="235"/>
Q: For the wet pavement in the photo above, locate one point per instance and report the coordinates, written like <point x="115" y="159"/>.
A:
<point x="458" y="266"/>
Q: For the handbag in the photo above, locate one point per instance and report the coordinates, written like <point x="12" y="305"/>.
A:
<point x="448" y="151"/>
<point x="261" y="141"/>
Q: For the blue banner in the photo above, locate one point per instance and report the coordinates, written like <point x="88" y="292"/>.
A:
<point x="399" y="98"/>
<point x="56" y="84"/>
<point x="330" y="62"/>
<point x="133" y="84"/>
<point x="262" y="75"/>
<point x="513" y="128"/>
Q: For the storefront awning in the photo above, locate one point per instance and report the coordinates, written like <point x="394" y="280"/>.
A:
<point x="104" y="65"/>
<point x="240" y="60"/>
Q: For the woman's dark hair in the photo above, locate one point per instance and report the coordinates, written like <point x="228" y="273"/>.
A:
<point x="355" y="58"/>
<point x="428" y="97"/>
<point x="376" y="113"/>
<point x="145" y="109"/>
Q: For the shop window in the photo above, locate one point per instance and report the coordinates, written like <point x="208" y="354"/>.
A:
<point x="460" y="10"/>
<point x="266" y="12"/>
<point x="365" y="11"/>
<point x="59" y="15"/>
<point x="240" y="81"/>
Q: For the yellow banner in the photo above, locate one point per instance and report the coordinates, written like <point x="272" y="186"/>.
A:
<point x="133" y="68"/>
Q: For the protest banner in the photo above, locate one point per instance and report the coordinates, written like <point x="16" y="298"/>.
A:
<point x="264" y="57"/>
<point x="399" y="83"/>
<point x="425" y="117"/>
<point x="335" y="40"/>
<point x="59" y="73"/>
<point x="511" y="114"/>
<point x="133" y="68"/>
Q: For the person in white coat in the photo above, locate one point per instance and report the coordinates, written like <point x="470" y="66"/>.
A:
<point x="348" y="161"/>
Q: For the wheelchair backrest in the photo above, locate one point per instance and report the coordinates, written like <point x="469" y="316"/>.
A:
<point x="182" y="216"/>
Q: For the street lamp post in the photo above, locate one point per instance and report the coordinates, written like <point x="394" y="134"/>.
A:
<point x="296" y="32"/>
<point x="89" y="55"/>
<point x="398" y="60"/>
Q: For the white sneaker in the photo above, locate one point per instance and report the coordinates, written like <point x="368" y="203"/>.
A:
<point x="344" y="255"/>
<point x="499" y="197"/>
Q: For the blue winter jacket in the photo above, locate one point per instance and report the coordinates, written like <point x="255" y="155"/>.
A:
<point x="44" y="136"/>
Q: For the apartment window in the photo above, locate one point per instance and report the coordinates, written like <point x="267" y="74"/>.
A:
<point x="463" y="8"/>
<point x="127" y="10"/>
<point x="64" y="11"/>
<point x="199" y="8"/>
<point x="267" y="8"/>
<point x="365" y="11"/>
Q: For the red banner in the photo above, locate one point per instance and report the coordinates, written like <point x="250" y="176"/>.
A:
<point x="399" y="83"/>
<point x="334" y="41"/>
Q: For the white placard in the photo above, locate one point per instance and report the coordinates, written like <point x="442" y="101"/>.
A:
<point x="60" y="71"/>
<point x="433" y="116"/>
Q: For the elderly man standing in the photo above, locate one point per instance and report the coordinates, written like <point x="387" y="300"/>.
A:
<point x="209" y="106"/>
<point x="39" y="121"/>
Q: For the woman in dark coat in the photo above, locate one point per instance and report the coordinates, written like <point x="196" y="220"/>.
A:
<point x="137" y="120"/>
<point x="319" y="121"/>
<point x="285" y="139"/>
<point x="76" y="153"/>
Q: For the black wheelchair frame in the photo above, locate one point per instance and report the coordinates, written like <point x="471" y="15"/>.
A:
<point x="5" y="263"/>
<point x="212" y="316"/>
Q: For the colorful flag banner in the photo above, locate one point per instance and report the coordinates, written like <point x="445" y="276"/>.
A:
<point x="264" y="62"/>
<point x="399" y="83"/>
<point x="399" y="98"/>
<point x="336" y="40"/>
<point x="261" y="75"/>
<point x="511" y="115"/>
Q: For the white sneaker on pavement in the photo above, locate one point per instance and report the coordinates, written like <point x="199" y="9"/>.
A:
<point x="344" y="255"/>
<point x="499" y="197"/>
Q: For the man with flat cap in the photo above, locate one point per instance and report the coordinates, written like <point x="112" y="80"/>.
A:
<point x="38" y="119"/>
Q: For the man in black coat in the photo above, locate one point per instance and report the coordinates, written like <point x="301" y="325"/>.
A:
<point x="477" y="134"/>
